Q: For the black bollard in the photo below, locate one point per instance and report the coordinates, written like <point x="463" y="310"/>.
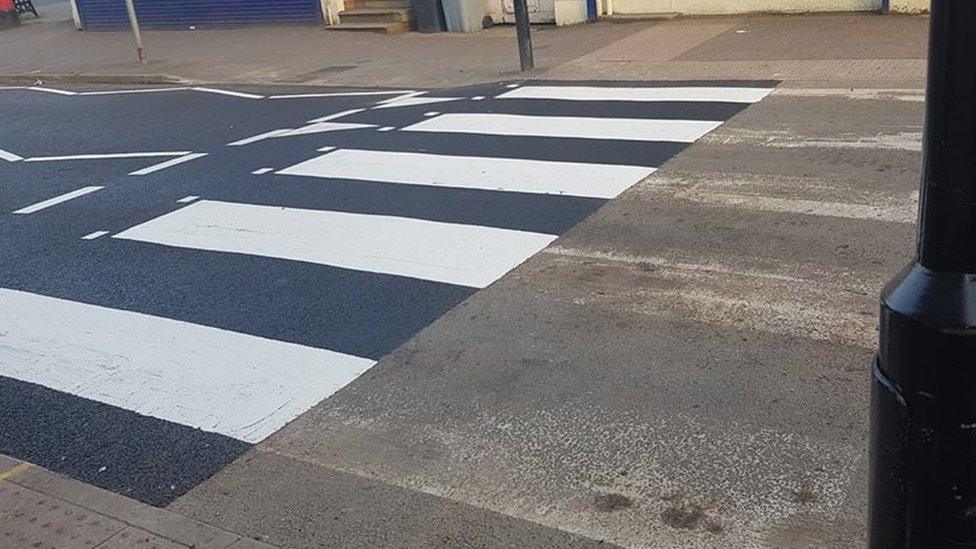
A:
<point x="524" y="35"/>
<point x="923" y="424"/>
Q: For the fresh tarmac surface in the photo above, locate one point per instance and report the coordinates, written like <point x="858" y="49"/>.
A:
<point x="187" y="270"/>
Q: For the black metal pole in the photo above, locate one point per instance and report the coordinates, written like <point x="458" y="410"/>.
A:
<point x="524" y="36"/>
<point x="923" y="439"/>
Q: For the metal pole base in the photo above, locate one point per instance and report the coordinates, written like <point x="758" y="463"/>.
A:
<point x="923" y="413"/>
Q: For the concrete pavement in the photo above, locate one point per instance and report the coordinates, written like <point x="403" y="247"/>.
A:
<point x="855" y="49"/>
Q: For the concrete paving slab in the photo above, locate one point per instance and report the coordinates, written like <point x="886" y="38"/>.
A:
<point x="39" y="508"/>
<point x="294" y="503"/>
<point x="859" y="50"/>
<point x="33" y="519"/>
<point x="815" y="37"/>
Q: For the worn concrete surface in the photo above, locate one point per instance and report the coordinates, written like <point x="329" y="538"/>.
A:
<point x="688" y="367"/>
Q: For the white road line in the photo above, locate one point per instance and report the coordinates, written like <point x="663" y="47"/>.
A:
<point x="94" y="235"/>
<point x="465" y="255"/>
<point x="262" y="171"/>
<point x="168" y="164"/>
<point x="52" y="90"/>
<point x="228" y="92"/>
<point x="259" y="137"/>
<point x="122" y="92"/>
<point x="339" y="94"/>
<point x="106" y="156"/>
<point x="478" y="98"/>
<point x="497" y="174"/>
<point x="684" y="131"/>
<point x="334" y="116"/>
<point x="57" y="200"/>
<point x="9" y="156"/>
<point x="188" y="199"/>
<point x="414" y="101"/>
<point x="431" y="113"/>
<point x="322" y="127"/>
<point x="316" y="127"/>
<point x="591" y="93"/>
<point x="238" y="385"/>
<point x="386" y="129"/>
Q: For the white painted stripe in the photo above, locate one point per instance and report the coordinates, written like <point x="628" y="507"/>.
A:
<point x="262" y="171"/>
<point x="592" y="93"/>
<point x="168" y="164"/>
<point x="122" y="92"/>
<point x="52" y="90"/>
<point x="399" y="97"/>
<point x="684" y="131"/>
<point x="106" y="156"/>
<point x="228" y="92"/>
<point x="478" y="98"/>
<point x="259" y="137"/>
<point x="322" y="127"/>
<point x="94" y="235"/>
<point x="57" y="200"/>
<point x="13" y="87"/>
<point x="188" y="199"/>
<point x="9" y="156"/>
<point x="339" y="94"/>
<point x="466" y="255"/>
<point x="414" y="101"/>
<point x="470" y="172"/>
<point x="386" y="129"/>
<point x="333" y="116"/>
<point x="238" y="385"/>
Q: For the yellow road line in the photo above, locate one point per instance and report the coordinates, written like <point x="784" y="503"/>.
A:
<point x="14" y="471"/>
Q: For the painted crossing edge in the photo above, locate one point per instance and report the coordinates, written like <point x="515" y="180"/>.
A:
<point x="627" y="129"/>
<point x="640" y="94"/>
<point x="496" y="174"/>
<point x="242" y="386"/>
<point x="463" y="255"/>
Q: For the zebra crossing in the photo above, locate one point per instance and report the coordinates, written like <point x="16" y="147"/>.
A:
<point x="167" y="326"/>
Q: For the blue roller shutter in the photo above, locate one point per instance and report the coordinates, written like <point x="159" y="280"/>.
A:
<point x="181" y="14"/>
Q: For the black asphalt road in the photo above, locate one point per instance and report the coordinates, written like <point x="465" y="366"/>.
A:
<point x="364" y="314"/>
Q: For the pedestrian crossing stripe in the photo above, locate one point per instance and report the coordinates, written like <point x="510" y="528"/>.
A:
<point x="237" y="385"/>
<point x="634" y="129"/>
<point x="472" y="172"/>
<point x="645" y="94"/>
<point x="465" y="255"/>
